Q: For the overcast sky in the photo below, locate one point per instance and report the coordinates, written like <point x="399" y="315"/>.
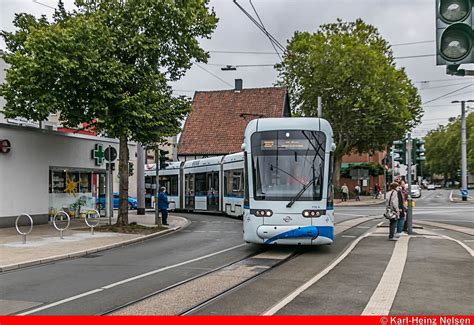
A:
<point x="398" y="21"/>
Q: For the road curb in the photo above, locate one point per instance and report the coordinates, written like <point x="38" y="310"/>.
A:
<point x="358" y="205"/>
<point x="50" y="259"/>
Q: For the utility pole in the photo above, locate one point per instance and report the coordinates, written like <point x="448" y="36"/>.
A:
<point x="157" y="184"/>
<point x="464" y="191"/>
<point x="410" y="209"/>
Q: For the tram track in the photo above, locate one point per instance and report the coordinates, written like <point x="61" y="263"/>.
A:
<point x="266" y="263"/>
<point x="129" y="308"/>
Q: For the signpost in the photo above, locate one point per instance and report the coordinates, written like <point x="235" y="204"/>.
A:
<point x="110" y="155"/>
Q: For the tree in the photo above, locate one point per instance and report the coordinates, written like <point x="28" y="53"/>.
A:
<point x="367" y="100"/>
<point x="108" y="63"/>
<point x="443" y="148"/>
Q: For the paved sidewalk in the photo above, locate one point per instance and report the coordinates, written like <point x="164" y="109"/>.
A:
<point x="364" y="200"/>
<point x="44" y="245"/>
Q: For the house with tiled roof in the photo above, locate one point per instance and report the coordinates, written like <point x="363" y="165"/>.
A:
<point x="217" y="122"/>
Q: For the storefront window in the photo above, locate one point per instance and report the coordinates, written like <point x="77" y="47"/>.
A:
<point x="74" y="190"/>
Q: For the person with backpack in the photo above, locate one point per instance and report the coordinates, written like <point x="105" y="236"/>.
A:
<point x="393" y="207"/>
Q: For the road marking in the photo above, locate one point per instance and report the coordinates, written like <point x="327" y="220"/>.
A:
<point x="382" y="299"/>
<point x="363" y="227"/>
<point x="316" y="278"/>
<point x="469" y="240"/>
<point x="469" y="249"/>
<point x="88" y="293"/>
<point x="61" y="302"/>
<point x="438" y="229"/>
<point x="348" y="236"/>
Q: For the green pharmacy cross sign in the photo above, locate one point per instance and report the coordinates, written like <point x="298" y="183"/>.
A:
<point x="98" y="154"/>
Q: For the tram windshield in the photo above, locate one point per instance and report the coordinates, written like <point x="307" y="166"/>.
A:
<point x="288" y="165"/>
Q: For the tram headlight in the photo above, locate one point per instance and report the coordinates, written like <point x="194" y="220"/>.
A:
<point x="311" y="213"/>
<point x="263" y="213"/>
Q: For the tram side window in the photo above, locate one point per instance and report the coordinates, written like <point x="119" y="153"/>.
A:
<point x="234" y="183"/>
<point x="173" y="185"/>
<point x="200" y="183"/>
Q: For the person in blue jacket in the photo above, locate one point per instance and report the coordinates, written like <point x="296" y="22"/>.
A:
<point x="163" y="205"/>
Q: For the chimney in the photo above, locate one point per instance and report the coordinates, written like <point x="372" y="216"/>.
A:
<point x="238" y="84"/>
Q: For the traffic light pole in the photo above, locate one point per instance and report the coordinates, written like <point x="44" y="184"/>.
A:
<point x="463" y="152"/>
<point x="157" y="184"/>
<point x="409" y="219"/>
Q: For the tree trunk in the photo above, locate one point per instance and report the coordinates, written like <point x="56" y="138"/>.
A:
<point x="336" y="176"/>
<point x="123" y="173"/>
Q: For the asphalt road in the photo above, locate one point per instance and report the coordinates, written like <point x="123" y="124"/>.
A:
<point x="432" y="206"/>
<point x="97" y="283"/>
<point x="95" y="277"/>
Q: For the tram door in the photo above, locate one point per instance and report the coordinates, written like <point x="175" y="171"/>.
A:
<point x="189" y="192"/>
<point x="213" y="191"/>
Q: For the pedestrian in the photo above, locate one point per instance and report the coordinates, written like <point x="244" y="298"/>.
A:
<point x="345" y="192"/>
<point x="393" y="205"/>
<point x="401" y="194"/>
<point x="163" y="205"/>
<point x="357" y="192"/>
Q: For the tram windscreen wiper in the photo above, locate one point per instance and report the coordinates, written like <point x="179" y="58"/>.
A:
<point x="298" y="195"/>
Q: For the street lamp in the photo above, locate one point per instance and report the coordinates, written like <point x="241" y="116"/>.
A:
<point x="464" y="191"/>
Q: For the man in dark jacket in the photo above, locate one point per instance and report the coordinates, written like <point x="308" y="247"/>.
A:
<point x="163" y="205"/>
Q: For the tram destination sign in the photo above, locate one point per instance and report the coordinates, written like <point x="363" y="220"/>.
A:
<point x="285" y="144"/>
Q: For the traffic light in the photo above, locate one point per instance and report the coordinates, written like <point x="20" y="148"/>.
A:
<point x="130" y="168"/>
<point x="418" y="152"/>
<point x="454" y="33"/>
<point x="400" y="148"/>
<point x="163" y="158"/>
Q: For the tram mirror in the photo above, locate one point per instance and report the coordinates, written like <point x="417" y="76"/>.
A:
<point x="243" y="147"/>
<point x="333" y="147"/>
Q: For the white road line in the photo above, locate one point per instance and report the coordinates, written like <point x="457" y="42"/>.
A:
<point x="469" y="240"/>
<point x="348" y="236"/>
<point x="60" y="302"/>
<point x="363" y="227"/>
<point x="315" y="279"/>
<point x="438" y="229"/>
<point x="382" y="299"/>
<point x="469" y="249"/>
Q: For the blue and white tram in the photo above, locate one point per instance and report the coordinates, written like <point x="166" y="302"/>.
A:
<point x="289" y="192"/>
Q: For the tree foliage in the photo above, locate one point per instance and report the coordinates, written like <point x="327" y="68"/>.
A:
<point x="443" y="148"/>
<point x="367" y="100"/>
<point x="107" y="63"/>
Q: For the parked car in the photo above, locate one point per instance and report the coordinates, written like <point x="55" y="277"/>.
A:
<point x="415" y="191"/>
<point x="132" y="202"/>
<point x="431" y="187"/>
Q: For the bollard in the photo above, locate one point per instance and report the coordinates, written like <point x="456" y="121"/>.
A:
<point x="18" y="228"/>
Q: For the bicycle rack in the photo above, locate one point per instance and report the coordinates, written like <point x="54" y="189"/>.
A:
<point x="61" y="213"/>
<point x="18" y="228"/>
<point x="92" y="226"/>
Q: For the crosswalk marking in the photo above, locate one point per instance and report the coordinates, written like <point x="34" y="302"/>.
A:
<point x="382" y="299"/>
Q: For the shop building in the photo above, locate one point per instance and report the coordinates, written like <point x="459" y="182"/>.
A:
<point x="43" y="171"/>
